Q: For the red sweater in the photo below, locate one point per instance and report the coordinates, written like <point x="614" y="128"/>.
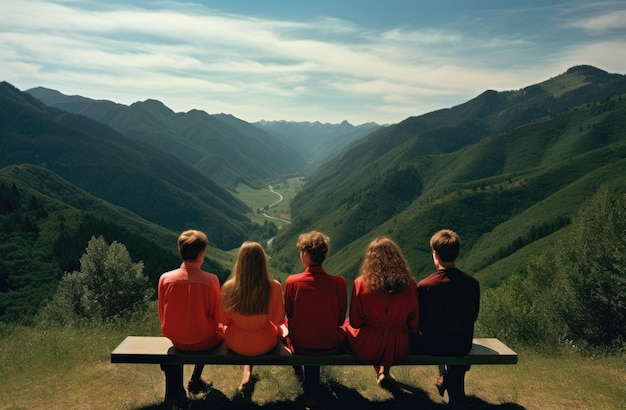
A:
<point x="315" y="305"/>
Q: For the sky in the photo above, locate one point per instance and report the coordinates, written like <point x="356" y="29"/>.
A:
<point x="327" y="61"/>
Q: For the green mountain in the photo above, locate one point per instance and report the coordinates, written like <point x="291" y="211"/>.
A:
<point x="123" y="171"/>
<point x="506" y="170"/>
<point x="222" y="147"/>
<point x="315" y="140"/>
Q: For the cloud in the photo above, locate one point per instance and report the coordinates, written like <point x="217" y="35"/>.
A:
<point x="605" y="22"/>
<point x="190" y="56"/>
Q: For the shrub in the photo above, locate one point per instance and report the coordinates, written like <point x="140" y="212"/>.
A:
<point x="108" y="286"/>
<point x="573" y="292"/>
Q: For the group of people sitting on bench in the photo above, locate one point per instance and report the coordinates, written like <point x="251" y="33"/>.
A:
<point x="390" y="315"/>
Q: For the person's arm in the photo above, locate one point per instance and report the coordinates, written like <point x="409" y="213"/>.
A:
<point x="215" y="301"/>
<point x="357" y="317"/>
<point x="289" y="286"/>
<point x="343" y="301"/>
<point x="224" y="316"/>
<point x="277" y="308"/>
<point x="161" y="301"/>
<point x="413" y="319"/>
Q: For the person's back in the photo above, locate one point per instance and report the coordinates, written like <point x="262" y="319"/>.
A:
<point x="251" y="307"/>
<point x="188" y="307"/>
<point x="188" y="303"/>
<point x="383" y="309"/>
<point x="315" y="304"/>
<point x="449" y="303"/>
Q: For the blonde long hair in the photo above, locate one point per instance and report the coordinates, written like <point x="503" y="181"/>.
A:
<point x="384" y="268"/>
<point x="247" y="291"/>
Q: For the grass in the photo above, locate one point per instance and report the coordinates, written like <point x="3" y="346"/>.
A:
<point x="64" y="368"/>
<point x="258" y="199"/>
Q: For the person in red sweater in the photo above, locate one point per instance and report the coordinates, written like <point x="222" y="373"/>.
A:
<point x="383" y="309"/>
<point x="315" y="305"/>
<point x="189" y="300"/>
<point x="251" y="308"/>
<point x="449" y="301"/>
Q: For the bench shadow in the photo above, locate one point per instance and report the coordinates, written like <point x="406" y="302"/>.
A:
<point x="333" y="396"/>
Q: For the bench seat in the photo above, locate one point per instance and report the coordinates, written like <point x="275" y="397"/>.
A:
<point x="159" y="350"/>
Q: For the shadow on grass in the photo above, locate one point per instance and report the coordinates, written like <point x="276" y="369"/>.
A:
<point x="332" y="396"/>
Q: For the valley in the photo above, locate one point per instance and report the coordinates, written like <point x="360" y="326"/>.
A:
<point x="272" y="202"/>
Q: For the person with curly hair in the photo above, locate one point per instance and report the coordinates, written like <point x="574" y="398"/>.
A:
<point x="315" y="304"/>
<point x="383" y="309"/>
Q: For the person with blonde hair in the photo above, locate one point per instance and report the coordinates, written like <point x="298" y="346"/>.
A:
<point x="383" y="309"/>
<point x="251" y="307"/>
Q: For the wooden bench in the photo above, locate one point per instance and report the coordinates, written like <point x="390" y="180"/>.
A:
<point x="159" y="350"/>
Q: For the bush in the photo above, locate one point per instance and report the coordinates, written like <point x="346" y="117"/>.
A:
<point x="574" y="292"/>
<point x="108" y="286"/>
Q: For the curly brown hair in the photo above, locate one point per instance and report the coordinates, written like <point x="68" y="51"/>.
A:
<point x="316" y="244"/>
<point x="384" y="268"/>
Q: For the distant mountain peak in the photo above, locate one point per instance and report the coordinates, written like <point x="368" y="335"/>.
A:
<point x="586" y="70"/>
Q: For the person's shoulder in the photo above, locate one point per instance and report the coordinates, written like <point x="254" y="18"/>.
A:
<point x="339" y="279"/>
<point x="209" y="275"/>
<point x="467" y="276"/>
<point x="294" y="277"/>
<point x="168" y="275"/>
<point x="430" y="280"/>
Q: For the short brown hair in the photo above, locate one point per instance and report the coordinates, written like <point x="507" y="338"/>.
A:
<point x="316" y="244"/>
<point x="191" y="243"/>
<point x="447" y="244"/>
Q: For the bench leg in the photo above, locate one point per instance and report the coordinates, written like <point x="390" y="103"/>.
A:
<point x="174" y="390"/>
<point x="455" y="383"/>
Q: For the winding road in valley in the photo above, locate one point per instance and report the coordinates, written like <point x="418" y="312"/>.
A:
<point x="280" y="198"/>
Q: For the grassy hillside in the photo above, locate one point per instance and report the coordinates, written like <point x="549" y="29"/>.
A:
<point x="150" y="183"/>
<point x="504" y="170"/>
<point x="41" y="237"/>
<point x="70" y="368"/>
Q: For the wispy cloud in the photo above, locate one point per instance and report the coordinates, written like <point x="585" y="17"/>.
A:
<point x="327" y="68"/>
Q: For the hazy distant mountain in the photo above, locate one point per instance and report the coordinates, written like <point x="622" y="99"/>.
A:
<point x="318" y="141"/>
<point x="507" y="170"/>
<point x="126" y="172"/>
<point x="227" y="150"/>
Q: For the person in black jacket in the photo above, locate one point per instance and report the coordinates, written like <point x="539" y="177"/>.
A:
<point x="449" y="301"/>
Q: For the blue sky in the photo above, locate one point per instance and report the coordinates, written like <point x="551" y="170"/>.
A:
<point x="325" y="61"/>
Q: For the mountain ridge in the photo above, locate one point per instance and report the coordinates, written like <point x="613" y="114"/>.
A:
<point x="507" y="170"/>
<point x="222" y="150"/>
<point x="453" y="156"/>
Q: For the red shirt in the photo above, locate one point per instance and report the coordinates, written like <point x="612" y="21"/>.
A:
<point x="315" y="304"/>
<point x="189" y="300"/>
<point x="380" y="323"/>
<point x="252" y="335"/>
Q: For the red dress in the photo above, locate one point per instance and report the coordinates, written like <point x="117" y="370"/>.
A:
<point x="315" y="304"/>
<point x="189" y="300"/>
<point x="380" y="323"/>
<point x="252" y="335"/>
